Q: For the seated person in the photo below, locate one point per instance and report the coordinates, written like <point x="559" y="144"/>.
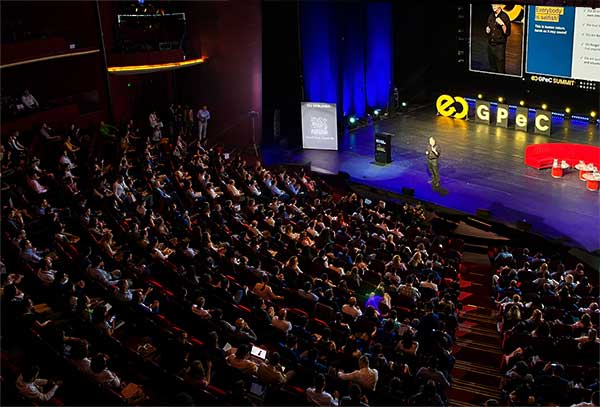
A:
<point x="352" y="309"/>
<point x="355" y="398"/>
<point x="240" y="361"/>
<point x="198" y="308"/>
<point x="102" y="374"/>
<point x="272" y="372"/>
<point x="264" y="290"/>
<point x="196" y="375"/>
<point x="317" y="396"/>
<point x="242" y="332"/>
<point x="29" y="100"/>
<point x="280" y="321"/>
<point x="33" y="388"/>
<point x="364" y="376"/>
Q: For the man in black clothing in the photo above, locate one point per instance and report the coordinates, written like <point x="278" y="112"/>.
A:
<point x="497" y="30"/>
<point x="433" y="154"/>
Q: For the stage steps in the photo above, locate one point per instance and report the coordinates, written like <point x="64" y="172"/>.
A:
<point x="476" y="376"/>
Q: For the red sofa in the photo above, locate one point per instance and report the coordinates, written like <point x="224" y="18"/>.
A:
<point x="542" y="155"/>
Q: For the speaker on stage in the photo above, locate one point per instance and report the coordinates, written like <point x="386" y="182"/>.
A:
<point x="383" y="148"/>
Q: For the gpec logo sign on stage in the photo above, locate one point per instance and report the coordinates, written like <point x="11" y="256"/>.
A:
<point x="458" y="108"/>
<point x="449" y="106"/>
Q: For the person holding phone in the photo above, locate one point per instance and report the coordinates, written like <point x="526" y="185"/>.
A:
<point x="497" y="30"/>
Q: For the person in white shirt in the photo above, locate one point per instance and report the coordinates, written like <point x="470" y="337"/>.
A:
<point x="280" y="322"/>
<point x="318" y="396"/>
<point x="203" y="117"/>
<point x="253" y="187"/>
<point x="101" y="373"/>
<point x="31" y="387"/>
<point x="352" y="309"/>
<point x="13" y="142"/>
<point x="29" y="100"/>
<point x="66" y="161"/>
<point x="198" y="308"/>
<point x="154" y="120"/>
<point x="233" y="190"/>
<point x="119" y="188"/>
<point x="364" y="376"/>
<point x="45" y="273"/>
<point x="213" y="192"/>
<point x="45" y="133"/>
<point x="35" y="185"/>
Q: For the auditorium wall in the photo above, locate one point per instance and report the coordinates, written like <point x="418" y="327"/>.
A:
<point x="229" y="35"/>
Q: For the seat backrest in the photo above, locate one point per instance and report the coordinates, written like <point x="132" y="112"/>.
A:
<point x="324" y="312"/>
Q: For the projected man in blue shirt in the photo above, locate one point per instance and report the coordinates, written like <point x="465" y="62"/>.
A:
<point x="498" y="31"/>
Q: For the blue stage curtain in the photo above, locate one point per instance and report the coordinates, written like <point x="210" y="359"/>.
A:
<point x="319" y="43"/>
<point x="347" y="53"/>
<point x="379" y="43"/>
<point x="353" y="58"/>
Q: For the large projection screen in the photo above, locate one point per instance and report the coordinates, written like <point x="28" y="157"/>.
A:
<point x="485" y="35"/>
<point x="319" y="126"/>
<point x="564" y="42"/>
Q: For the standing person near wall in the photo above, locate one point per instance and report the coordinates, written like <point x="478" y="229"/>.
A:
<point x="203" y="117"/>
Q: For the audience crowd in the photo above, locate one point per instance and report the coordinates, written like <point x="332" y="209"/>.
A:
<point x="548" y="317"/>
<point x="152" y="272"/>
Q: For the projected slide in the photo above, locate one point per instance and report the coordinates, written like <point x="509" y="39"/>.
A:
<point x="564" y="41"/>
<point x="497" y="39"/>
<point x="319" y="126"/>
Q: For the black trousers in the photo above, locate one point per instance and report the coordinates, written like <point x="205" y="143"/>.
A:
<point x="435" y="173"/>
<point x="496" y="57"/>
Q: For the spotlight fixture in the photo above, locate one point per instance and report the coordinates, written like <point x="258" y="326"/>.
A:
<point x="352" y="120"/>
<point x="376" y="112"/>
<point x="544" y="106"/>
<point x="479" y="96"/>
<point x="568" y="110"/>
<point x="404" y="104"/>
<point x="521" y="103"/>
<point x="593" y="114"/>
<point x="501" y="99"/>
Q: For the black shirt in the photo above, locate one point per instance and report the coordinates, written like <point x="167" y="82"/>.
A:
<point x="496" y="34"/>
<point x="433" y="155"/>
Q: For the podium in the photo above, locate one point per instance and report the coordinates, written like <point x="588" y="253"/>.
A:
<point x="383" y="148"/>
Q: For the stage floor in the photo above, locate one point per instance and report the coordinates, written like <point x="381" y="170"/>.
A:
<point x="482" y="167"/>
